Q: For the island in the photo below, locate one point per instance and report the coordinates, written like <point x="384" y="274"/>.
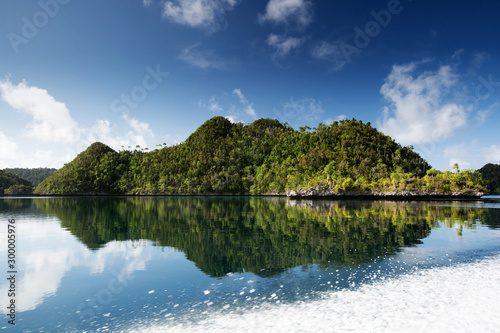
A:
<point x="266" y="157"/>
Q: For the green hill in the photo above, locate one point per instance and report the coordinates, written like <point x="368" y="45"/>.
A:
<point x="13" y="184"/>
<point x="34" y="175"/>
<point x="491" y="174"/>
<point x="263" y="157"/>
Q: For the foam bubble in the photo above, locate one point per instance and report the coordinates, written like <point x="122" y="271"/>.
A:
<point x="459" y="298"/>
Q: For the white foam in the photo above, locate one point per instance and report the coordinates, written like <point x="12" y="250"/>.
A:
<point x="462" y="298"/>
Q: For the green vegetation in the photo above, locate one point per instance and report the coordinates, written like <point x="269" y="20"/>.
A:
<point x="491" y="174"/>
<point x="264" y="157"/>
<point x="264" y="236"/>
<point x="13" y="184"/>
<point x="34" y="175"/>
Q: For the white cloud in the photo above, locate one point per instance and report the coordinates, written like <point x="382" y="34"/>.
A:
<point x="288" y="11"/>
<point x="147" y="3"/>
<point x="307" y="109"/>
<point x="338" y="118"/>
<point x="247" y="106"/>
<point x="53" y="138"/>
<point x="139" y="133"/>
<point x="461" y="154"/>
<point x="204" y="59"/>
<point x="51" y="119"/>
<point x="236" y="112"/>
<point x="106" y="132"/>
<point x="419" y="111"/>
<point x="492" y="154"/>
<point x="214" y="105"/>
<point x="240" y="95"/>
<point x="283" y="44"/>
<point x="8" y="149"/>
<point x="198" y="13"/>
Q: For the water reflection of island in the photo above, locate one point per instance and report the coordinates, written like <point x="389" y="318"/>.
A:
<point x="264" y="236"/>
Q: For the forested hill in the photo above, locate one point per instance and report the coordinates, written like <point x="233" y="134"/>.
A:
<point x="13" y="184"/>
<point x="34" y="175"/>
<point x="491" y="173"/>
<point x="263" y="157"/>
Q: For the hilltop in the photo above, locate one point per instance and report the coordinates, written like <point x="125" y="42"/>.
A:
<point x="264" y="157"/>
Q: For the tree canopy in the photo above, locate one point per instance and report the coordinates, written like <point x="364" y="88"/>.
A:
<point x="491" y="174"/>
<point x="263" y="157"/>
<point x="13" y="184"/>
<point x="34" y="175"/>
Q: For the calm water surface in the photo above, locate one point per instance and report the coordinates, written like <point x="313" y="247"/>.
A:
<point x="210" y="263"/>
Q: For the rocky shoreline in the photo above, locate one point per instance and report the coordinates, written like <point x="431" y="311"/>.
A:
<point x="325" y="192"/>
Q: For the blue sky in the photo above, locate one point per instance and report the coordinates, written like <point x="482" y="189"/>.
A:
<point x="147" y="72"/>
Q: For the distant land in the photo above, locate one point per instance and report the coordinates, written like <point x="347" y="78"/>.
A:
<point x="35" y="175"/>
<point x="266" y="157"/>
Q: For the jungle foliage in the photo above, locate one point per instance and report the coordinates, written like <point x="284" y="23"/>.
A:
<point x="13" y="184"/>
<point x="263" y="157"/>
<point x="34" y="175"/>
<point x="491" y="174"/>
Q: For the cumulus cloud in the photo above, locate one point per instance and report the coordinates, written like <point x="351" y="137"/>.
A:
<point x="106" y="132"/>
<point x="198" y="13"/>
<point x="287" y="12"/>
<point x="492" y="154"/>
<point x="51" y="120"/>
<point x="283" y="44"/>
<point x="419" y="109"/>
<point x="307" y="109"/>
<point x="204" y="59"/>
<point x="53" y="127"/>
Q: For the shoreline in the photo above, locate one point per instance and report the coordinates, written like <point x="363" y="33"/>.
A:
<point x="293" y="195"/>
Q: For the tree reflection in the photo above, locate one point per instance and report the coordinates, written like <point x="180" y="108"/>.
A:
<point x="264" y="236"/>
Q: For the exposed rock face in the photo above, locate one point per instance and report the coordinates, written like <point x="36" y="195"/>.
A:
<point x="320" y="192"/>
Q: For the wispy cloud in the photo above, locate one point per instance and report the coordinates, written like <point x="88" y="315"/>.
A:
<point x="306" y="109"/>
<point x="337" y="118"/>
<point x="330" y="52"/>
<point x="247" y="106"/>
<point x="420" y="110"/>
<point x="204" y="59"/>
<point x="479" y="58"/>
<point x="242" y="111"/>
<point x="482" y="115"/>
<point x="288" y="12"/>
<point x="283" y="44"/>
<point x="147" y="3"/>
<point x="198" y="13"/>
